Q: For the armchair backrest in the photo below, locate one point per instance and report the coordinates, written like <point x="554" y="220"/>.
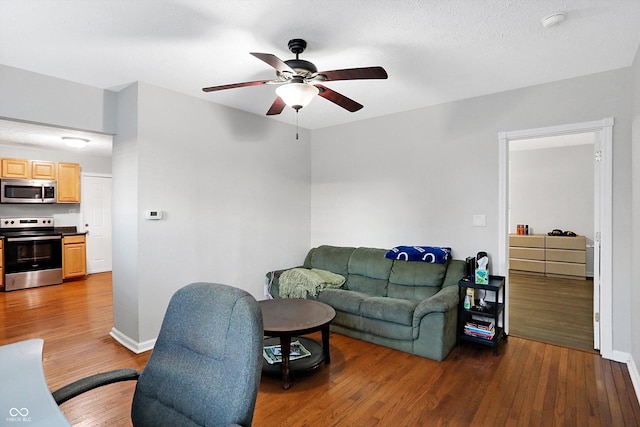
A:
<point x="205" y="366"/>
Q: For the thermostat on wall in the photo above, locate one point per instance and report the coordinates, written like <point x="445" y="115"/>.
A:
<point x="153" y="214"/>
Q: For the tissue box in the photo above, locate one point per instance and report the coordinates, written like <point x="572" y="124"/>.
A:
<point x="482" y="276"/>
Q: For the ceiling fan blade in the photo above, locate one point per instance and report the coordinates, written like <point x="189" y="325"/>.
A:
<point x="274" y="61"/>
<point x="277" y="107"/>
<point x="353" y="74"/>
<point x="339" y="99"/>
<point x="235" y="85"/>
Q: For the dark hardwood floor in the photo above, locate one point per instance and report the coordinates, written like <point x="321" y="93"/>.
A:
<point x="528" y="384"/>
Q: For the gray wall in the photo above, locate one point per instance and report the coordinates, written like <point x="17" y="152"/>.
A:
<point x="552" y="188"/>
<point x="420" y="176"/>
<point x="235" y="190"/>
<point x="42" y="99"/>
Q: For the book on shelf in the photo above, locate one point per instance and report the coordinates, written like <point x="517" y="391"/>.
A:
<point x="479" y="329"/>
<point x="273" y="353"/>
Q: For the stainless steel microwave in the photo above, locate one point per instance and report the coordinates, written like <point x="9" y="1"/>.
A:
<point x="27" y="191"/>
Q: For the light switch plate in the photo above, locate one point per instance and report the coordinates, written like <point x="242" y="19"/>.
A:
<point x="479" y="220"/>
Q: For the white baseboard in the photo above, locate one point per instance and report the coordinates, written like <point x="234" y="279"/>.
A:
<point x="623" y="357"/>
<point x="131" y="344"/>
<point x="619" y="356"/>
<point x="635" y="376"/>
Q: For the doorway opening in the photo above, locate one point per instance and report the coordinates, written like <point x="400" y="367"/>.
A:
<point x="602" y="218"/>
<point x="551" y="181"/>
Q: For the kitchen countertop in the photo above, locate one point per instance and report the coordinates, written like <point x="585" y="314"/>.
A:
<point x="69" y="231"/>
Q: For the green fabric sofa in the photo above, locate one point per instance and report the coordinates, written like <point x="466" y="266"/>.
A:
<point x="410" y="306"/>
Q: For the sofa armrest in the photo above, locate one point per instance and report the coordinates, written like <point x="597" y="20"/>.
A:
<point x="273" y="279"/>
<point x="455" y="272"/>
<point x="441" y="302"/>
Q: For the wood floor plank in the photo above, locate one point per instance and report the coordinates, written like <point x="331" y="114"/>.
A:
<point x="529" y="382"/>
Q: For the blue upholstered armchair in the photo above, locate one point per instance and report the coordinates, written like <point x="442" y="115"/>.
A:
<point x="205" y="366"/>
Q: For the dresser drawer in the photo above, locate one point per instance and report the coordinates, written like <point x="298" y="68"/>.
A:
<point x="526" y="265"/>
<point x="527" y="253"/>
<point x="527" y="240"/>
<point x="565" y="242"/>
<point x="565" y="255"/>
<point x="566" y="269"/>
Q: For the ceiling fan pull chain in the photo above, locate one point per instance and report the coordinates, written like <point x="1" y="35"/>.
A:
<point x="297" y="112"/>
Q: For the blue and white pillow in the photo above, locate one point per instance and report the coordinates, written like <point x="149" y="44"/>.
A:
<point x="432" y="254"/>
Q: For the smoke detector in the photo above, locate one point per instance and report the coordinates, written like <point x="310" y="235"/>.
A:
<point x="553" y="19"/>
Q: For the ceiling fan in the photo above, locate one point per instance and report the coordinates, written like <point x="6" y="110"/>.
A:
<point x="299" y="81"/>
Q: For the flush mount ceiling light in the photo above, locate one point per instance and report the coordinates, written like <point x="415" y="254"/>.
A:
<point x="75" y="142"/>
<point x="553" y="19"/>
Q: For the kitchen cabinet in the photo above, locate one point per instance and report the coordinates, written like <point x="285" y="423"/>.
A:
<point x="1" y="264"/>
<point x="15" y="168"/>
<point x="68" y="182"/>
<point x="74" y="256"/>
<point x="43" y="170"/>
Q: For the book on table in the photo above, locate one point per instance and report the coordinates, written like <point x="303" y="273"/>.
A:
<point x="273" y="353"/>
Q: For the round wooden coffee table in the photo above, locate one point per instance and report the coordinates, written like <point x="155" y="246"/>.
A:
<point x="285" y="318"/>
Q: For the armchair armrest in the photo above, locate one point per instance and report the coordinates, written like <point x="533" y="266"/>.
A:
<point x="94" y="381"/>
<point x="441" y="302"/>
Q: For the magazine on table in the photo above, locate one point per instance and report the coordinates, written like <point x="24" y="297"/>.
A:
<point x="273" y="353"/>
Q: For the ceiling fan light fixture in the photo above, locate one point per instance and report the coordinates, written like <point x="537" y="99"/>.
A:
<point x="75" y="142"/>
<point x="296" y="94"/>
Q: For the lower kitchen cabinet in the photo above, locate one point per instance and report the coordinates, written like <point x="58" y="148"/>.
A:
<point x="74" y="256"/>
<point x="1" y="265"/>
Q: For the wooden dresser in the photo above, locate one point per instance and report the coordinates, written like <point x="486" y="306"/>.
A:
<point x="558" y="256"/>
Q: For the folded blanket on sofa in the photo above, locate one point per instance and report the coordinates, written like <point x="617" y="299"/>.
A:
<point x="432" y="254"/>
<point x="302" y="282"/>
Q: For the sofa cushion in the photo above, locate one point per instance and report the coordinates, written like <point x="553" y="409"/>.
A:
<point x="343" y="300"/>
<point x="415" y="280"/>
<point x="332" y="258"/>
<point x="369" y="271"/>
<point x="389" y="309"/>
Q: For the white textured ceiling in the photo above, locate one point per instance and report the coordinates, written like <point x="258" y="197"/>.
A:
<point x="434" y="51"/>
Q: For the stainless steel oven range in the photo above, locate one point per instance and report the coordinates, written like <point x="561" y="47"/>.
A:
<point x="32" y="252"/>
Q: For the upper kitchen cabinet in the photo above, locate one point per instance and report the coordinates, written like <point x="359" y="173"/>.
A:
<point x="15" y="168"/>
<point x="43" y="170"/>
<point x="68" y="182"/>
<point x="28" y="169"/>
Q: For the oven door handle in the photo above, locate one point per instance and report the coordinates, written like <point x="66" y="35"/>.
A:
<point x="32" y="238"/>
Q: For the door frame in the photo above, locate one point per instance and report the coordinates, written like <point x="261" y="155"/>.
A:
<point x="603" y="297"/>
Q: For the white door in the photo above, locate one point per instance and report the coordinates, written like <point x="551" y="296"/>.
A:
<point x="96" y="213"/>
